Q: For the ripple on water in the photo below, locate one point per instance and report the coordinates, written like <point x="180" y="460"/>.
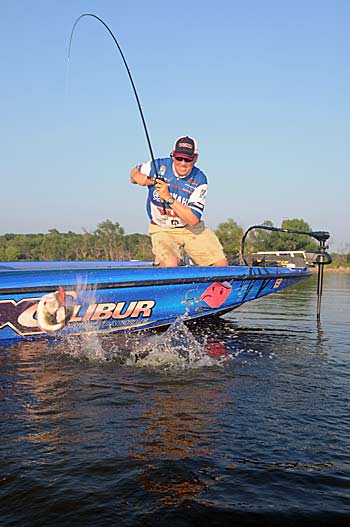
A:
<point x="245" y="422"/>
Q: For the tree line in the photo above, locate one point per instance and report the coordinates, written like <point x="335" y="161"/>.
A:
<point x="109" y="242"/>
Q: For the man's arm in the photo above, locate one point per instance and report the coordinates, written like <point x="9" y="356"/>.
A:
<point x="137" y="178"/>
<point x="184" y="212"/>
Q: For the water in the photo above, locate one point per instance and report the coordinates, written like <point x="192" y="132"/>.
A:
<point x="236" y="422"/>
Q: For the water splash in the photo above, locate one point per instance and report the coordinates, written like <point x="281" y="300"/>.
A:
<point x="175" y="349"/>
<point x="86" y="345"/>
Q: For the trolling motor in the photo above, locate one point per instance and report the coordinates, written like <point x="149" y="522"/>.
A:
<point x="319" y="257"/>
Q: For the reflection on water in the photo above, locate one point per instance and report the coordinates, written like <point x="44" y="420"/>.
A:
<point x="245" y="420"/>
<point x="180" y="425"/>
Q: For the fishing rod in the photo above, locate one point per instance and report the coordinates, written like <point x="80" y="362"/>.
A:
<point x="322" y="258"/>
<point x="157" y="177"/>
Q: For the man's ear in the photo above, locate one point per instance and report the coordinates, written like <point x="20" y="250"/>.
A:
<point x="195" y="159"/>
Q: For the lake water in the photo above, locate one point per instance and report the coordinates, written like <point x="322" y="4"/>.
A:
<point x="242" y="421"/>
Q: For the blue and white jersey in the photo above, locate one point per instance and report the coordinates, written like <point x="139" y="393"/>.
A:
<point x="190" y="190"/>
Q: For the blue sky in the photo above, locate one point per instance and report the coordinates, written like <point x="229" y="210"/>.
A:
<point x="262" y="85"/>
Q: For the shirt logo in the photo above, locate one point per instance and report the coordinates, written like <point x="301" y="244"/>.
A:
<point x="156" y="196"/>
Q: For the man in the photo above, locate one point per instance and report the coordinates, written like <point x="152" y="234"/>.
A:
<point x="175" y="205"/>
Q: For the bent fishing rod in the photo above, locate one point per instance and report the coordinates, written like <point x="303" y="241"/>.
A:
<point x="157" y="177"/>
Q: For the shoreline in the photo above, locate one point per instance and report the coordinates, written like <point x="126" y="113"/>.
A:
<point x="327" y="269"/>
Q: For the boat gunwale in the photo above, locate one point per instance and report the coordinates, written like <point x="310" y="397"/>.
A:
<point x="164" y="281"/>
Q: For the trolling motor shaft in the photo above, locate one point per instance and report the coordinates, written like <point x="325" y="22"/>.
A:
<point x="322" y="259"/>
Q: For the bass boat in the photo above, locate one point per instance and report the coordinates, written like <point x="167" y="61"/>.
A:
<point x="128" y="296"/>
<point x="55" y="298"/>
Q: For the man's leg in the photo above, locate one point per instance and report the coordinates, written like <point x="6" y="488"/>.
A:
<point x="169" y="261"/>
<point x="220" y="263"/>
<point x="203" y="246"/>
<point x="166" y="246"/>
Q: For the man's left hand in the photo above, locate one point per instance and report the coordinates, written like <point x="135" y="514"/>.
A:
<point x="163" y="190"/>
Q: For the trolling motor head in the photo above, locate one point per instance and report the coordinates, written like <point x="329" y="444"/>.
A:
<point x="321" y="256"/>
<point x="321" y="236"/>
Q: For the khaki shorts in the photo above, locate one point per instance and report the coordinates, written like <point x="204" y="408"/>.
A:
<point x="199" y="243"/>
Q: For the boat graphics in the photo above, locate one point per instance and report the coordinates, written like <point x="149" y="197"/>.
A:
<point x="21" y="315"/>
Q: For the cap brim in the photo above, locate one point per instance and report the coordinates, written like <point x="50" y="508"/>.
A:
<point x="186" y="156"/>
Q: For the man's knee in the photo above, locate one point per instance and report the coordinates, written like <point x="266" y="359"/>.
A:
<point x="221" y="263"/>
<point x="170" y="261"/>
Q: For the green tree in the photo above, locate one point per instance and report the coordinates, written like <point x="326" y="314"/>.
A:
<point x="109" y="241"/>
<point x="230" y="235"/>
<point x="262" y="240"/>
<point x="85" y="246"/>
<point x="138" y="247"/>
<point x="53" y="247"/>
<point x="25" y="245"/>
<point x="35" y="243"/>
<point x="265" y="240"/>
<point x="297" y="242"/>
<point x="11" y="253"/>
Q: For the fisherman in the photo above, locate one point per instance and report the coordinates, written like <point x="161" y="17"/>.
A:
<point x="176" y="200"/>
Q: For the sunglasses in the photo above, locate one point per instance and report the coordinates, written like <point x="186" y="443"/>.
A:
<point x="183" y="159"/>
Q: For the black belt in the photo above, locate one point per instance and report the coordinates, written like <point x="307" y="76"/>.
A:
<point x="178" y="227"/>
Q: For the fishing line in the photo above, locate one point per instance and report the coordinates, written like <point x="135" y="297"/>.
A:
<point x="130" y="78"/>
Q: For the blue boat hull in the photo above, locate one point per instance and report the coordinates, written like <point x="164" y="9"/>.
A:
<point x="129" y="296"/>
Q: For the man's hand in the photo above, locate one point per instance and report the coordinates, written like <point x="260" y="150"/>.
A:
<point x="163" y="190"/>
<point x="138" y="178"/>
<point x="183" y="211"/>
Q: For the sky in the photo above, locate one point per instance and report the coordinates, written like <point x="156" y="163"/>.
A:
<point x="263" y="86"/>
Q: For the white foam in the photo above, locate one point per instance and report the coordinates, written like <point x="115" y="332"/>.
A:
<point x="175" y="349"/>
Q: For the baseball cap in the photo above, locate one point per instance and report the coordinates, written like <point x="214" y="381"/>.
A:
<point x="185" y="147"/>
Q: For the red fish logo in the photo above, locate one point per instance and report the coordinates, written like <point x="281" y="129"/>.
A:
<point x="216" y="294"/>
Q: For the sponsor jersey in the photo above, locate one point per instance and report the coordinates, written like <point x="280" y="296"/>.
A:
<point x="190" y="190"/>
